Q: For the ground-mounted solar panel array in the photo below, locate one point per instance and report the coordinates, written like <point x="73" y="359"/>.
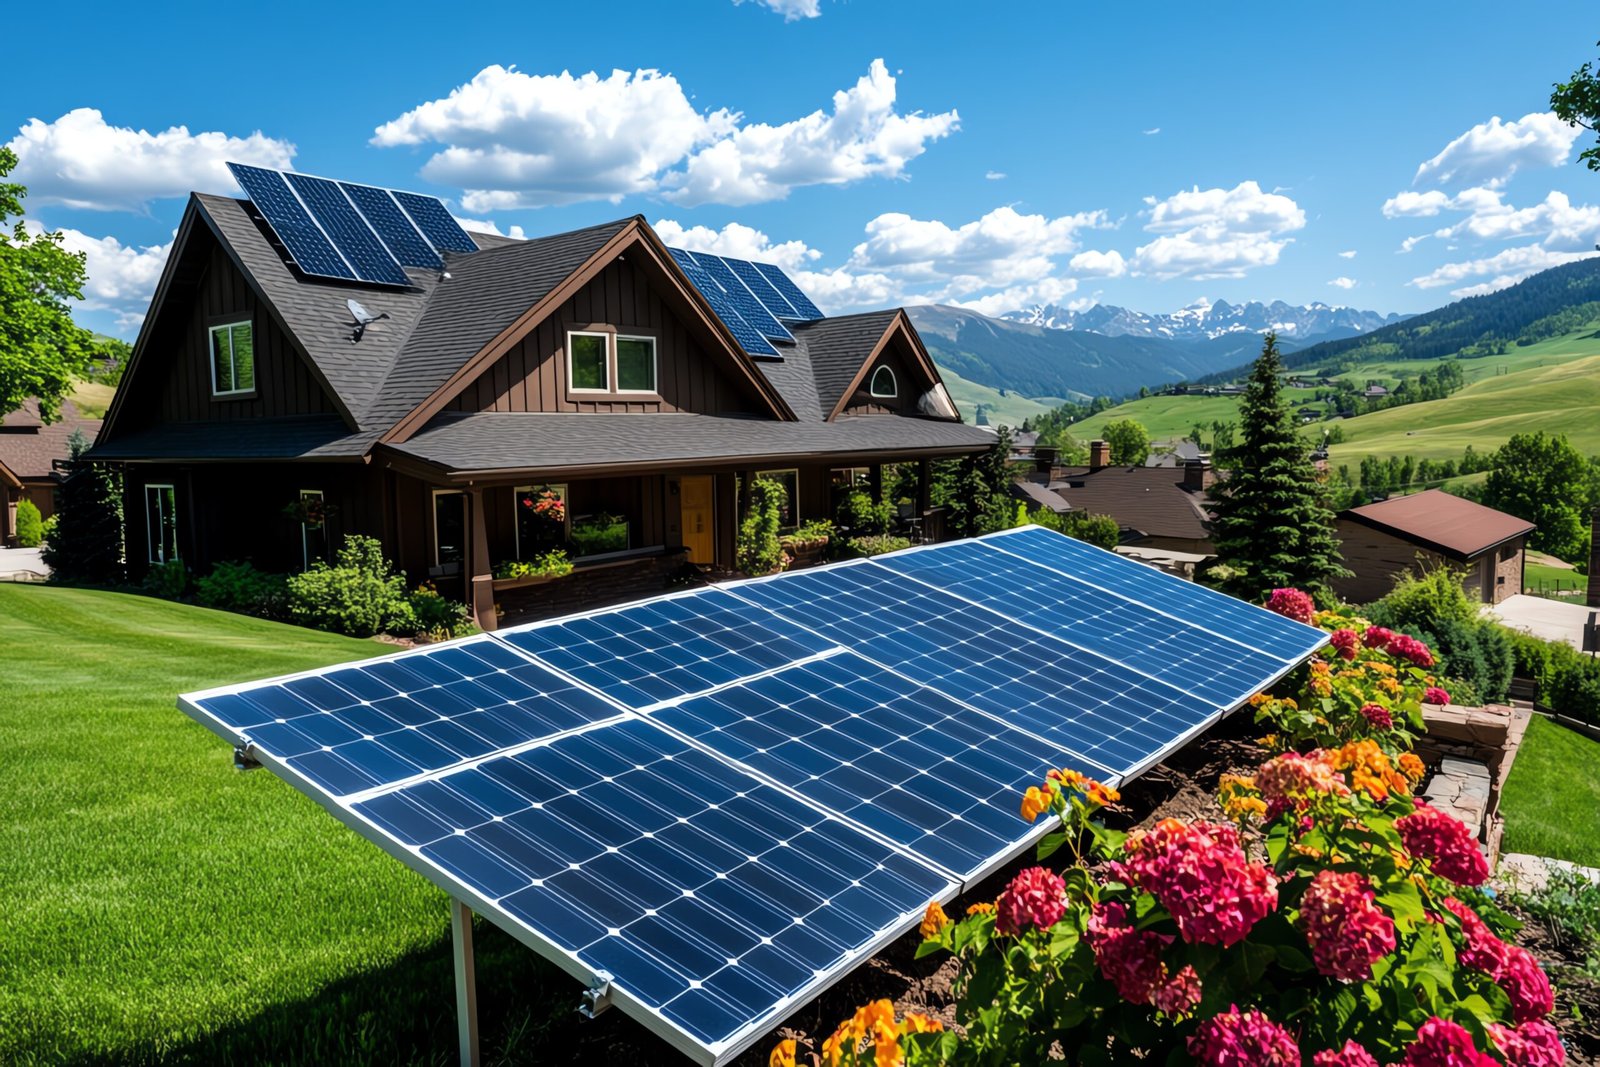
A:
<point x="352" y="232"/>
<point x="757" y="301"/>
<point x="720" y="801"/>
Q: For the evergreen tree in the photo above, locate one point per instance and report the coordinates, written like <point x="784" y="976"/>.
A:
<point x="979" y="497"/>
<point x="1273" y="525"/>
<point x="86" y="545"/>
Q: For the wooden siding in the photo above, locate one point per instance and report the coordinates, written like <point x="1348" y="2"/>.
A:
<point x="911" y="383"/>
<point x="532" y="376"/>
<point x="1378" y="559"/>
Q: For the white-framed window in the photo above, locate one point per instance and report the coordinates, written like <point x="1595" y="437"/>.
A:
<point x="161" y="522"/>
<point x="449" y="527"/>
<point x="233" y="359"/>
<point x="541" y="521"/>
<point x="883" y="383"/>
<point x="603" y="362"/>
<point x="313" y="528"/>
<point x="789" y="509"/>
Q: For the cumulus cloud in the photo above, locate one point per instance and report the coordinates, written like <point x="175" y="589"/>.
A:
<point x="1504" y="268"/>
<point x="1348" y="254"/>
<point x="517" y="140"/>
<point x="488" y="226"/>
<point x="998" y="249"/>
<point x="1493" y="151"/>
<point x="791" y="10"/>
<point x="995" y="175"/>
<point x="1217" y="233"/>
<point x="736" y="240"/>
<point x="1409" y="204"/>
<point x="120" y="278"/>
<point x="1342" y="283"/>
<point x="83" y="162"/>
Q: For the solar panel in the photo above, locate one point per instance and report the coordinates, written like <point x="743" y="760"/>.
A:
<point x="353" y="728"/>
<point x="791" y="292"/>
<point x="751" y="309"/>
<point x="348" y="230"/>
<point x="313" y="252"/>
<point x="669" y="648"/>
<point x="762" y="289"/>
<point x="437" y="225"/>
<point x="748" y="336"/>
<point x="715" y="903"/>
<point x="903" y="760"/>
<point x="378" y="207"/>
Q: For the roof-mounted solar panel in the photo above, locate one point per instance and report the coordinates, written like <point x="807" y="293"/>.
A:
<point x="762" y="289"/>
<point x="348" y="230"/>
<point x="791" y="292"/>
<point x="312" y="250"/>
<point x="754" y="311"/>
<point x="749" y="338"/>
<point x="396" y="229"/>
<point x="437" y="225"/>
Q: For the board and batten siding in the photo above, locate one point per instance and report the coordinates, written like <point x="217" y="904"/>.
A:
<point x="909" y="384"/>
<point x="532" y="376"/>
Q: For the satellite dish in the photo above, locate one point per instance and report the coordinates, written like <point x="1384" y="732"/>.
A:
<point x="362" y="318"/>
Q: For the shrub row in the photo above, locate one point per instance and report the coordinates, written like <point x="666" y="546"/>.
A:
<point x="1568" y="680"/>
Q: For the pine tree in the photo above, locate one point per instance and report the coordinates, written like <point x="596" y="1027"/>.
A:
<point x="1272" y="524"/>
<point x="86" y="545"/>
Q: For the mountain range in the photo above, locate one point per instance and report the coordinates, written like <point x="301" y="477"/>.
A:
<point x="1209" y="320"/>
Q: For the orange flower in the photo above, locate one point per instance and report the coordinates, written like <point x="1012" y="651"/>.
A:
<point x="1411" y="766"/>
<point x="1068" y="778"/>
<point x="877" y="1024"/>
<point x="917" y="1023"/>
<point x="1037" y="801"/>
<point x="1260" y="699"/>
<point x="983" y="907"/>
<point x="934" y="920"/>
<point x="783" y="1055"/>
<point x="1101" y="794"/>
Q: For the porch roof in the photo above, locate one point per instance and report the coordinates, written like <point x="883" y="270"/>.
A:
<point x="486" y="443"/>
<point x="298" y="437"/>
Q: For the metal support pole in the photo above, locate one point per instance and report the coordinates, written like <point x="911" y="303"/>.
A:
<point x="466" y="982"/>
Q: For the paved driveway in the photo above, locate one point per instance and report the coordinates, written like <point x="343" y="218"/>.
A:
<point x="22" y="565"/>
<point x="1552" y="620"/>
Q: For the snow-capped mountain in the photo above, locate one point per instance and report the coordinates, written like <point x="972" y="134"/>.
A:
<point x="1206" y="319"/>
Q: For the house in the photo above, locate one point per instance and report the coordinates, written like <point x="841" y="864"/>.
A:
<point x="1382" y="541"/>
<point x="1161" y="508"/>
<point x="1375" y="392"/>
<point x="29" y="452"/>
<point x="575" y="391"/>
<point x="1175" y="454"/>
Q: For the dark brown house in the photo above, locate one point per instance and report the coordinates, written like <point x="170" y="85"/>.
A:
<point x="573" y="390"/>
<point x="1428" y="529"/>
<point x="29" y="450"/>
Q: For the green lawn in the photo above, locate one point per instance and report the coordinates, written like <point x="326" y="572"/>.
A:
<point x="160" y="907"/>
<point x="1009" y="409"/>
<point x="1551" y="801"/>
<point x="1545" y="580"/>
<point x="1164" y="417"/>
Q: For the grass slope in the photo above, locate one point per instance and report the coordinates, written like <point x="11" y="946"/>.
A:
<point x="1163" y="416"/>
<point x="161" y="907"/>
<point x="1009" y="409"/>
<point x="92" y="398"/>
<point x="1550" y="808"/>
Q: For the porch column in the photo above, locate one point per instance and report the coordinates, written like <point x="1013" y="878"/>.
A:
<point x="480" y="572"/>
<point x="875" y="474"/>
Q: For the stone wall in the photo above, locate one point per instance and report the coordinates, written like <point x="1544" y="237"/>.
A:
<point x="1471" y="751"/>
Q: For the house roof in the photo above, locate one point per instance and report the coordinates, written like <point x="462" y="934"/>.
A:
<point x="1149" y="500"/>
<point x="1452" y="525"/>
<point x="838" y="347"/>
<point x="1040" y="496"/>
<point x="296" y="437"/>
<point x="29" y="448"/>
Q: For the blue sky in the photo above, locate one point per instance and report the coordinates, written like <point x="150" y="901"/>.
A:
<point x="1388" y="156"/>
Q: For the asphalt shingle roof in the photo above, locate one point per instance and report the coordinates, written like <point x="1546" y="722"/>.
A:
<point x="298" y="437"/>
<point x="838" y="347"/>
<point x="1459" y="527"/>
<point x="1151" y="500"/>
<point x="28" y="447"/>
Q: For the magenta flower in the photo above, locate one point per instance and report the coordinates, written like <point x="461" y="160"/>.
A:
<point x="1292" y="604"/>
<point x="1345" y="642"/>
<point x="1434" y="695"/>
<point x="1377" y="715"/>
<point x="1243" y="1039"/>
<point x="1352" y="1055"/>
<point x="1035" y="898"/>
<point x="1533" y="1044"/>
<point x="1201" y="876"/>
<point x="1441" y="1043"/>
<point x="1446" y="841"/>
<point x="1346" y="929"/>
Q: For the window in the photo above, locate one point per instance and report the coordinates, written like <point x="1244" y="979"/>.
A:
<point x="449" y="529"/>
<point x="161" y="522"/>
<point x="541" y="518"/>
<point x="598" y="534"/>
<point x="233" y="359"/>
<point x="313" y="528"/>
<point x="587" y="363"/>
<point x="883" y="383"/>
<point x="789" y="509"/>
<point x="636" y="364"/>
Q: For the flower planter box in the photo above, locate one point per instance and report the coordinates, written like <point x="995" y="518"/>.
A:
<point x="500" y="584"/>
<point x="806" y="553"/>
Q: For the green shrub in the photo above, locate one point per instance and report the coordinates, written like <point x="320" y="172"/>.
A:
<point x="599" y="533"/>
<point x="758" y="549"/>
<point x="1434" y="607"/>
<point x="438" y="618"/>
<point x="814" y="530"/>
<point x="1425" y="600"/>
<point x="1568" y="681"/>
<point x="1568" y="907"/>
<point x="861" y="516"/>
<point x="1477" y="652"/>
<point x="551" y="564"/>
<point x="1099" y="530"/>
<point x="876" y="545"/>
<point x="169" y="580"/>
<point x="30" y="525"/>
<point x="240" y="587"/>
<point x="48" y="529"/>
<point x="1462" y="692"/>
<point x="360" y="595"/>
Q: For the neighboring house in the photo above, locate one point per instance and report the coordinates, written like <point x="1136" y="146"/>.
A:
<point x="1375" y="392"/>
<point x="1159" y="508"/>
<point x="1382" y="541"/>
<point x="29" y="450"/>
<point x="575" y="390"/>
<point x="1176" y="454"/>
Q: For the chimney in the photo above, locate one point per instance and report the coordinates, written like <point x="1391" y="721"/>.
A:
<point x="1593" y="599"/>
<point x="1044" y="460"/>
<point x="1099" y="455"/>
<point x="1198" y="475"/>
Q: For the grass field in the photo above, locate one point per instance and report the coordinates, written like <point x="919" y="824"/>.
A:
<point x="1543" y="579"/>
<point x="92" y="398"/>
<point x="1551" y="809"/>
<point x="1008" y="410"/>
<point x="1163" y="416"/>
<point x="161" y="907"/>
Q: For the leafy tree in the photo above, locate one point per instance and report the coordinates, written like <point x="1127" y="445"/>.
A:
<point x="1099" y="530"/>
<point x="1577" y="100"/>
<point x="1273" y="527"/>
<point x="86" y="545"/>
<point x="30" y="524"/>
<point x="41" y="349"/>
<point x="1543" y="479"/>
<point x="1129" y="441"/>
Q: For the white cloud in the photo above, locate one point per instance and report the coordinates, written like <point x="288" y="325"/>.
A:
<point x="1493" y="151"/>
<point x="1044" y="291"/>
<point x="736" y="240"/>
<point x="1409" y="204"/>
<point x="1411" y="242"/>
<point x="1349" y="254"/>
<point x="995" y="175"/>
<point x="1217" y="233"/>
<point x="516" y="140"/>
<point x="791" y="10"/>
<point x="1343" y="283"/>
<point x="80" y="161"/>
<point x="1507" y="267"/>
<point x="119" y="278"/>
<point x="488" y="226"/>
<point x="998" y="249"/>
<point x="1152" y="131"/>
<point x="1093" y="264"/>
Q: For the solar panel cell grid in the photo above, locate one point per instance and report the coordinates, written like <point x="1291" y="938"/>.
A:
<point x="791" y="292"/>
<point x="437" y="225"/>
<point x="762" y="289"/>
<point x="312" y="251"/>
<point x="748" y="336"/>
<point x="751" y="309"/>
<point x="391" y="224"/>
<point x="348" y="230"/>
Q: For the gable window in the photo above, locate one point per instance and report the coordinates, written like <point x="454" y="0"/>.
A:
<point x="636" y="364"/>
<point x="600" y="361"/>
<point x="883" y="383"/>
<point x="588" y="362"/>
<point x="161" y="522"/>
<point x="233" y="359"/>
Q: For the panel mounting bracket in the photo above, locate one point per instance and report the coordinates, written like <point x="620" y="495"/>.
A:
<point x="242" y="759"/>
<point x="597" y="998"/>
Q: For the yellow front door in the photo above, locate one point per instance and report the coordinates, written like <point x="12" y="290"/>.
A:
<point x="699" y="525"/>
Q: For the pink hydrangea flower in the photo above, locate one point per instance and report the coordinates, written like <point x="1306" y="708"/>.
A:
<point x="1293" y="604"/>
<point x="1346" y="929"/>
<point x="1345" y="642"/>
<point x="1377" y="637"/>
<point x="1434" y="695"/>
<point x="1446" y="841"/>
<point x="1377" y="715"/>
<point x="1409" y="648"/>
<point x="1292" y="778"/>
<point x="1131" y="960"/>
<point x="1533" y="1044"/>
<point x="1441" y="1043"/>
<point x="1178" y="995"/>
<point x="1202" y="877"/>
<point x="1243" y="1039"/>
<point x="1035" y="898"/>
<point x="1352" y="1055"/>
<point x="1513" y="968"/>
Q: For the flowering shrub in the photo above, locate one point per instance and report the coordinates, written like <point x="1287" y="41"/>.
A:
<point x="1331" y="921"/>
